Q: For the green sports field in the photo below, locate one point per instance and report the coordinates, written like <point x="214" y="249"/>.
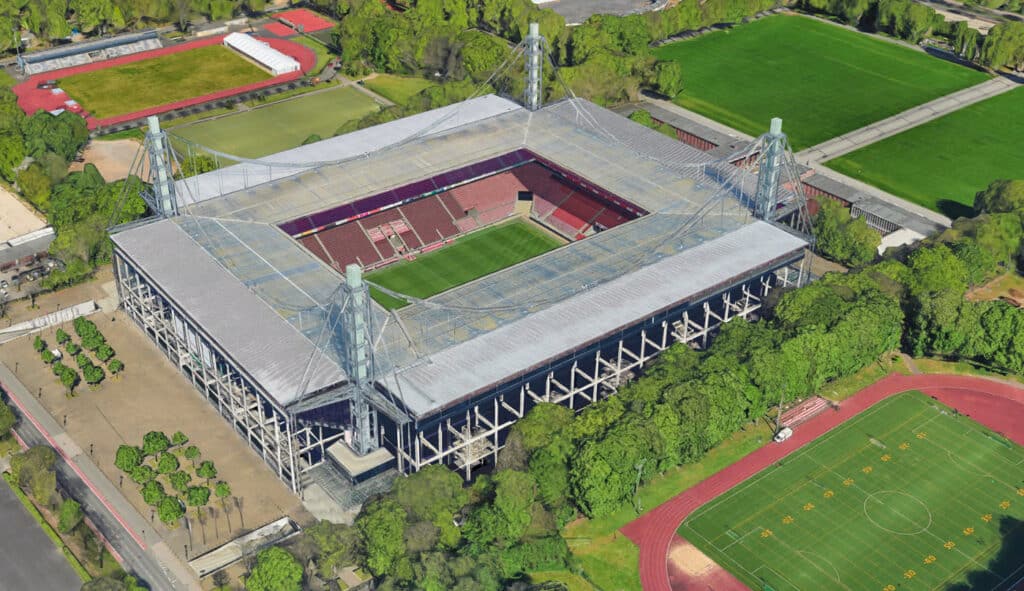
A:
<point x="397" y="89"/>
<point x="823" y="80"/>
<point x="280" y="126"/>
<point x="470" y="257"/>
<point x="905" y="496"/>
<point x="943" y="163"/>
<point x="157" y="81"/>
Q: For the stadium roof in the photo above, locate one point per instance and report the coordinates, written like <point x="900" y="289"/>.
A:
<point x="270" y="58"/>
<point x="259" y="275"/>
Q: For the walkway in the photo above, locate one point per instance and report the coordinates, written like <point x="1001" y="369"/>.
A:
<point x="901" y="122"/>
<point x="997" y="405"/>
<point x="140" y="549"/>
<point x="694" y="116"/>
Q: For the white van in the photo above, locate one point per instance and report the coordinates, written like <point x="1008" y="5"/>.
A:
<point x="783" y="434"/>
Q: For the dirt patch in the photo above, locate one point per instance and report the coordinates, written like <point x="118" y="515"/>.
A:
<point x="16" y="217"/>
<point x="689" y="568"/>
<point x="153" y="395"/>
<point x="112" y="158"/>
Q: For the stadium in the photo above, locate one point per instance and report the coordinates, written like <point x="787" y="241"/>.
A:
<point x="251" y="278"/>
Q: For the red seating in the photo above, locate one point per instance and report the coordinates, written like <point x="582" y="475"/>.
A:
<point x="430" y="219"/>
<point x="346" y="244"/>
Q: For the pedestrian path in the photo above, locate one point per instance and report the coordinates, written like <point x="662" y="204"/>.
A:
<point x="901" y="122"/>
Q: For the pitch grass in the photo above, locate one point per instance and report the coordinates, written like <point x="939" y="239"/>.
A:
<point x="822" y="79"/>
<point x="907" y="495"/>
<point x="397" y="89"/>
<point x="280" y="126"/>
<point x="470" y="257"/>
<point x="160" y="80"/>
<point x="943" y="163"/>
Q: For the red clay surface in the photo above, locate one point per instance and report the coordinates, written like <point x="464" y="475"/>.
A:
<point x="997" y="405"/>
<point x="280" y="30"/>
<point x="32" y="99"/>
<point x="309" y="20"/>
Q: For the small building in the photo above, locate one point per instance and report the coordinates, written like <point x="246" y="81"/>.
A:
<point x="25" y="249"/>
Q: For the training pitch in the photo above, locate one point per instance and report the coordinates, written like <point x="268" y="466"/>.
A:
<point x="943" y="163"/>
<point x="470" y="257"/>
<point x="822" y="79"/>
<point x="907" y="495"/>
<point x="169" y="78"/>
<point x="280" y="126"/>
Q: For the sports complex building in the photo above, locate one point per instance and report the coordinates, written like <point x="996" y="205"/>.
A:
<point x="250" y="282"/>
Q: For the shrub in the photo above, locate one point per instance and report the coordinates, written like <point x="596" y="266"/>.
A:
<point x="153" y="493"/>
<point x="128" y="458"/>
<point x="142" y="474"/>
<point x="69" y="516"/>
<point x="168" y="463"/>
<point x="154" y="443"/>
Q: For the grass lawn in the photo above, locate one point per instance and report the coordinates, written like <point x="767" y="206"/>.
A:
<point x="822" y="80"/>
<point x="157" y="81"/>
<point x="470" y="257"/>
<point x="397" y="89"/>
<point x="609" y="558"/>
<point x="943" y="163"/>
<point x="323" y="55"/>
<point x="572" y="582"/>
<point x="280" y="126"/>
<point x="907" y="495"/>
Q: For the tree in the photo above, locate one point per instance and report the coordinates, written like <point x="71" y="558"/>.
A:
<point x="104" y="352"/>
<point x="1002" y="196"/>
<point x="668" y="78"/>
<point x="196" y="164"/>
<point x="39" y="344"/>
<point x="170" y="510"/>
<point x="69" y="378"/>
<point x="93" y="374"/>
<point x="222" y="490"/>
<point x="47" y="356"/>
<point x="206" y="470"/>
<point x="155" y="442"/>
<point x="153" y="494"/>
<point x="338" y="546"/>
<point x="115" y="366"/>
<point x="382" y="525"/>
<point x="275" y="570"/>
<point x="35" y="185"/>
<point x="62" y="337"/>
<point x="191" y="453"/>
<point x="127" y="458"/>
<point x="179" y="438"/>
<point x="7" y="420"/>
<point x="1004" y="46"/>
<point x="180" y="481"/>
<point x="844" y="239"/>
<point x="433" y="493"/>
<point x="69" y="515"/>
<point x="311" y="139"/>
<point x="197" y="496"/>
<point x="142" y="474"/>
<point x="168" y="463"/>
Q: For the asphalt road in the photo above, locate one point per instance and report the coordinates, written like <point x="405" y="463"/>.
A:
<point x="28" y="559"/>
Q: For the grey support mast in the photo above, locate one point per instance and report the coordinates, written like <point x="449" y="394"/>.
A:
<point x="358" y="359"/>
<point x="160" y="177"/>
<point x="778" y="195"/>
<point x="770" y="170"/>
<point x="534" y="67"/>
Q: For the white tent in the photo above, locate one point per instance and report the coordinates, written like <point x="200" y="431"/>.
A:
<point x="262" y="53"/>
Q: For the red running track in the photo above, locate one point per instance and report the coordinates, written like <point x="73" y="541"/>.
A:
<point x="32" y="99"/>
<point x="997" y="405"/>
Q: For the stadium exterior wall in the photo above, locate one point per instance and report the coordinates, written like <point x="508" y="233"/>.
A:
<point x="465" y="434"/>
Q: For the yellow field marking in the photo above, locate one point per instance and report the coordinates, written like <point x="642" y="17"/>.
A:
<point x="949" y="545"/>
<point x="766" y="533"/>
<point x="848" y="482"/>
<point x="809" y="507"/>
<point x="866" y="469"/>
<point x="986" y="517"/>
<point x="828" y="494"/>
<point x="788" y="519"/>
<point x="889" y="588"/>
<point x="929" y="559"/>
<point x="886" y="458"/>
<point x="904" y="446"/>
<point x="1020" y="492"/>
<point x="968" y="531"/>
<point x="1004" y="505"/>
<point x="910" y="574"/>
<point x="921" y="435"/>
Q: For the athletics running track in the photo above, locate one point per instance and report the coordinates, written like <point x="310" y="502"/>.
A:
<point x="997" y="405"/>
<point x="31" y="98"/>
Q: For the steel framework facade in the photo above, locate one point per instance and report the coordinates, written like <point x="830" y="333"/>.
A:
<point x="463" y="436"/>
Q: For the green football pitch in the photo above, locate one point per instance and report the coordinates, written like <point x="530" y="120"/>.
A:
<point x="905" y="496"/>
<point x="470" y="257"/>
<point x="943" y="163"/>
<point x="280" y="126"/>
<point x="823" y="80"/>
<point x="160" y="80"/>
